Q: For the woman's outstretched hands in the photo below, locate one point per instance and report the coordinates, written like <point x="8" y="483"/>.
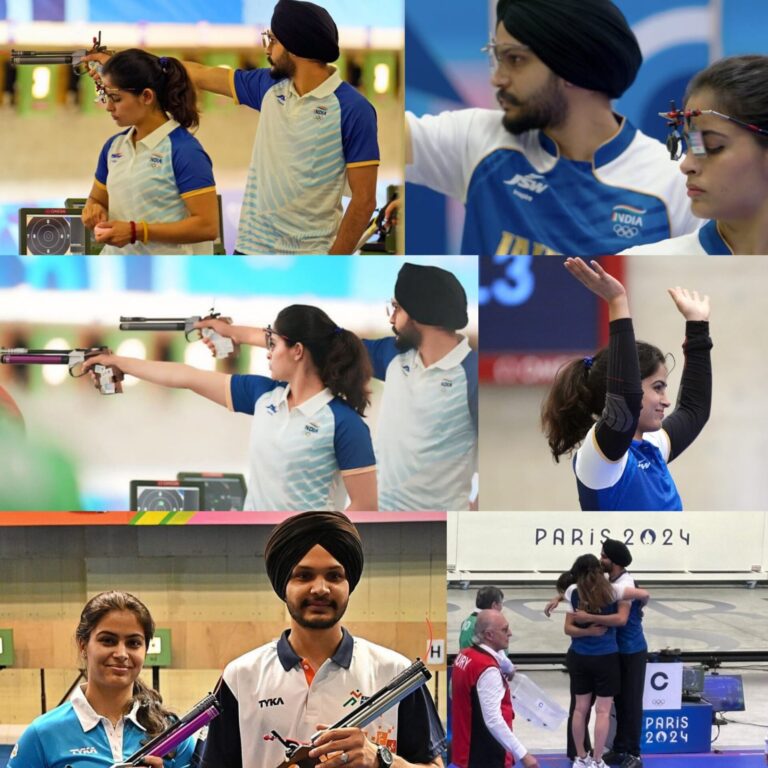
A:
<point x="607" y="287"/>
<point x="690" y="305"/>
<point x="594" y="277"/>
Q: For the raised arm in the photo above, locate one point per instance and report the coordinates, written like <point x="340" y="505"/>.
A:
<point x="624" y="393"/>
<point x="209" y="384"/>
<point x="694" y="401"/>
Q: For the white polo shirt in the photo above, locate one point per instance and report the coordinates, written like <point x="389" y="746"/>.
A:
<point x="271" y="688"/>
<point x="426" y="434"/>
<point x="298" y="455"/>
<point x="74" y="734"/>
<point x="303" y="147"/>
<point x="149" y="181"/>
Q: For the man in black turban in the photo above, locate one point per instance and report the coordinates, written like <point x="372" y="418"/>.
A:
<point x="317" y="672"/>
<point x="633" y="656"/>
<point x="557" y="171"/>
<point x="294" y="550"/>
<point x="426" y="434"/>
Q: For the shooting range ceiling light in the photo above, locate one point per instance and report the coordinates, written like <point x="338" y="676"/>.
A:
<point x="41" y="82"/>
<point x="199" y="356"/>
<point x="131" y="348"/>
<point x="381" y="78"/>
<point x="55" y="374"/>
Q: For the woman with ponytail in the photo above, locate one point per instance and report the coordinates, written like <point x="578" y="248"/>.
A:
<point x="309" y="444"/>
<point x="593" y="658"/>
<point x="114" y="713"/>
<point x="154" y="190"/>
<point x="609" y="408"/>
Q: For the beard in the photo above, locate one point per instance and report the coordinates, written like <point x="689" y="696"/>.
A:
<point x="546" y="109"/>
<point x="298" y="614"/>
<point x="408" y="337"/>
<point x="283" y="67"/>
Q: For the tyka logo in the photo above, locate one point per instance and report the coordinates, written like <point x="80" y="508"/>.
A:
<point x="271" y="408"/>
<point x="271" y="702"/>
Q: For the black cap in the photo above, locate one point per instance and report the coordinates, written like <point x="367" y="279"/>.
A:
<point x="617" y="552"/>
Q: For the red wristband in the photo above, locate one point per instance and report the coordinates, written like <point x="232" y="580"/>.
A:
<point x="133" y="232"/>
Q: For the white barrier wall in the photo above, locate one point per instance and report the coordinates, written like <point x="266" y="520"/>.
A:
<point x="686" y="545"/>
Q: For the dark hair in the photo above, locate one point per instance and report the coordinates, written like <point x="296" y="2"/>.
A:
<point x="339" y="356"/>
<point x="151" y="713"/>
<point x="577" y="396"/>
<point x="740" y="85"/>
<point x="134" y="70"/>
<point x="487" y="596"/>
<point x="595" y="591"/>
<point x="564" y="580"/>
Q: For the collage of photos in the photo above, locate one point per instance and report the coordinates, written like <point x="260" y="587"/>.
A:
<point x="369" y="395"/>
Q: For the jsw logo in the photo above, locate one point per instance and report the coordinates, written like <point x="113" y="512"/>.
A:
<point x="643" y="464"/>
<point x="270" y="702"/>
<point x="532" y="182"/>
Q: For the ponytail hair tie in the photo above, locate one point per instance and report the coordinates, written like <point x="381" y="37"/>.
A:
<point x="588" y="363"/>
<point x="163" y="62"/>
<point x="337" y="330"/>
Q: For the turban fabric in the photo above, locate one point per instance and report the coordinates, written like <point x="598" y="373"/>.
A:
<point x="305" y="29"/>
<point x="431" y="296"/>
<point x="617" y="552"/>
<point x="586" y="42"/>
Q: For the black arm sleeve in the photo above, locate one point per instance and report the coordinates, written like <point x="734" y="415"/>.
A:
<point x="695" y="398"/>
<point x="420" y="735"/>
<point x="624" y="392"/>
<point x="222" y="746"/>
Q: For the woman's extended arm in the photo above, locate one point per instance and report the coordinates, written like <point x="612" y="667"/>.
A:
<point x="694" y="401"/>
<point x="209" y="384"/>
<point x="240" y="334"/>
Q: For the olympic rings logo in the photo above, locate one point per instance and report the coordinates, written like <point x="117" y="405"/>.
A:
<point x="625" y="230"/>
<point x="657" y="702"/>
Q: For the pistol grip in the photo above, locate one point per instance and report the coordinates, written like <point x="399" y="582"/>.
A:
<point x="109" y="379"/>
<point x="222" y="345"/>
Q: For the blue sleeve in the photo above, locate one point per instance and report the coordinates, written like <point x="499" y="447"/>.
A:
<point x="469" y="364"/>
<point x="184" y="753"/>
<point x="102" y="167"/>
<point x="246" y="390"/>
<point x="192" y="167"/>
<point x="251" y="85"/>
<point x="28" y="752"/>
<point x="381" y="353"/>
<point x="352" y="438"/>
<point x="358" y="127"/>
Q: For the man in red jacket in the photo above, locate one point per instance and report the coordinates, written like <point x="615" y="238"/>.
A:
<point x="482" y="705"/>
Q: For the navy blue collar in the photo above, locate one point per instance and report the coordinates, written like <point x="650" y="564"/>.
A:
<point x="712" y="241"/>
<point x="605" y="153"/>
<point x="289" y="658"/>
